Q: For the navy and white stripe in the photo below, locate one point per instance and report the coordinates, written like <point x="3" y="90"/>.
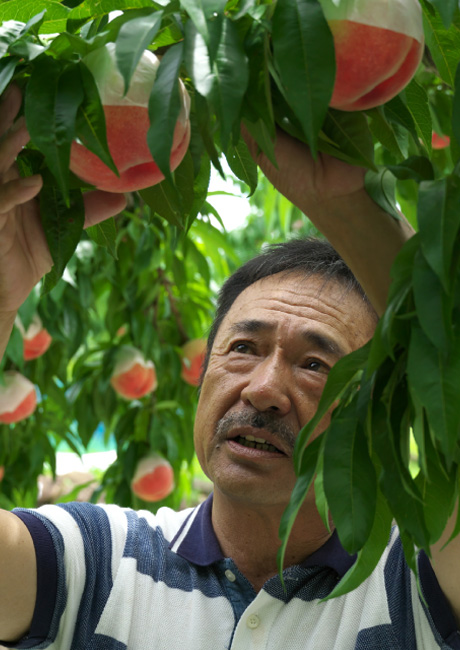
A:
<point x="110" y="578"/>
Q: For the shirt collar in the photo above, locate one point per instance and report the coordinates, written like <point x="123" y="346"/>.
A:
<point x="196" y="542"/>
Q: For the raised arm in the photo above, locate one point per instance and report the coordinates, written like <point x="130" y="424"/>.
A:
<point x="24" y="254"/>
<point x="24" y="259"/>
<point x="331" y="193"/>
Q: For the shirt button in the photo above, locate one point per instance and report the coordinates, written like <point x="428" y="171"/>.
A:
<point x="253" y="621"/>
<point x="231" y="577"/>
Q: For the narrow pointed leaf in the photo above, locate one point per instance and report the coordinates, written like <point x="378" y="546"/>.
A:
<point x="350" y="481"/>
<point x="447" y="9"/>
<point x="164" y="108"/>
<point x="304" y="481"/>
<point x="207" y="16"/>
<point x="381" y="187"/>
<point x="242" y="164"/>
<point x="439" y="221"/>
<point x="444" y="45"/>
<point x="341" y="376"/>
<point x="431" y="303"/>
<point x="417" y="103"/>
<point x="133" y="38"/>
<point x="369" y="556"/>
<point x="304" y="57"/>
<point x="58" y="92"/>
<point x="231" y="76"/>
<point x="105" y="234"/>
<point x="435" y="379"/>
<point x="90" y="122"/>
<point x="63" y="226"/>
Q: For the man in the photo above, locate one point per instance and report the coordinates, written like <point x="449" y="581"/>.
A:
<point x="84" y="576"/>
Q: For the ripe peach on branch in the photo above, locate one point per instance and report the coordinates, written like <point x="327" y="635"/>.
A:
<point x="193" y="355"/>
<point x="153" y="479"/>
<point x="133" y="377"/>
<point x="378" y="47"/>
<point x="18" y="398"/>
<point x="127" y="123"/>
<point x="36" y="338"/>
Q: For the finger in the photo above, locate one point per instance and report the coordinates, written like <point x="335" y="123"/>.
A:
<point x="9" y="107"/>
<point x="12" y="144"/>
<point x="102" y="205"/>
<point x="19" y="191"/>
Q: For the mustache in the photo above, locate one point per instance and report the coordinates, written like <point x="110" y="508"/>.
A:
<point x="266" y="421"/>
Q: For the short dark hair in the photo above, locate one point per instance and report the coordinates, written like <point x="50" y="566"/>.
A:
<point x="310" y="256"/>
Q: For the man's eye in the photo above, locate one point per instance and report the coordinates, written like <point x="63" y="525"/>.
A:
<point x="241" y="348"/>
<point x="316" y="366"/>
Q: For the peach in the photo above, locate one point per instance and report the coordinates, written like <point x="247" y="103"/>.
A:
<point x="18" y="398"/>
<point x="2" y="473"/>
<point x="153" y="479"/>
<point x="193" y="356"/>
<point x="439" y="141"/>
<point x="378" y="47"/>
<point x="36" y="338"/>
<point x="133" y="377"/>
<point x="127" y="123"/>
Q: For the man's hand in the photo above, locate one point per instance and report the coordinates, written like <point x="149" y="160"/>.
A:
<point x="24" y="253"/>
<point x="308" y="183"/>
<point x="332" y="194"/>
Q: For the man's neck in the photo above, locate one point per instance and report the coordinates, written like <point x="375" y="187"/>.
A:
<point x="249" y="535"/>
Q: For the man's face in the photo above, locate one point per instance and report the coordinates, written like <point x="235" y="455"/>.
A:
<point x="267" y="370"/>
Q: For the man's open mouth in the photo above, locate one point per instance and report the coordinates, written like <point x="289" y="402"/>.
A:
<point x="256" y="443"/>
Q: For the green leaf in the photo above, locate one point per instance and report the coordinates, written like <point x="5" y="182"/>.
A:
<point x="9" y="33"/>
<point x="105" y="234"/>
<point x="261" y="135"/>
<point x="7" y="70"/>
<point x="456" y="107"/>
<point x="397" y="112"/>
<point x="90" y="122"/>
<point x="343" y="374"/>
<point x="350" y="482"/>
<point x="439" y="492"/>
<point x="63" y="225"/>
<point x="381" y="188"/>
<point x="164" y="108"/>
<point x="417" y="103"/>
<point x="395" y="480"/>
<point x="304" y="57"/>
<point x="242" y="164"/>
<point x="15" y="348"/>
<point x="133" y="38"/>
<point x="230" y="80"/>
<point x="431" y="304"/>
<point x="435" y="379"/>
<point x="439" y="221"/>
<point x="303" y="483"/>
<point x="370" y="554"/>
<point x="93" y="9"/>
<point x="58" y="92"/>
<point x="24" y="10"/>
<point x="444" y="45"/>
<point x="207" y="16"/>
<point x="258" y="101"/>
<point x="198" y="60"/>
<point x="383" y="131"/>
<point x="447" y="9"/>
<point x="351" y="138"/>
<point x="417" y="168"/>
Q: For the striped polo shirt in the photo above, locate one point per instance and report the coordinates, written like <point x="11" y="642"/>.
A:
<point x="111" y="578"/>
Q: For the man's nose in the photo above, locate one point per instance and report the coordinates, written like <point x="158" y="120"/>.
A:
<point x="269" y="386"/>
